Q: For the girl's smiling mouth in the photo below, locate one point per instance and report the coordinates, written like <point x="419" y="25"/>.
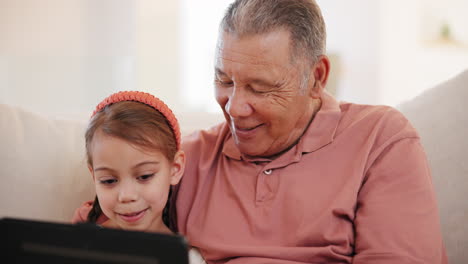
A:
<point x="132" y="217"/>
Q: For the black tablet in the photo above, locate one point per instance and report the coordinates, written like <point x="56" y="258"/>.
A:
<point x="31" y="241"/>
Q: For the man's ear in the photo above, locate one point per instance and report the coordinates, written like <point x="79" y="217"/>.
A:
<point x="178" y="167"/>
<point x="319" y="76"/>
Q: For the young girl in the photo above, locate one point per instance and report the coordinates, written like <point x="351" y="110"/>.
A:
<point x="133" y="153"/>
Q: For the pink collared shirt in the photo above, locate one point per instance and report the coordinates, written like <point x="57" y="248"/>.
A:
<point x="355" y="189"/>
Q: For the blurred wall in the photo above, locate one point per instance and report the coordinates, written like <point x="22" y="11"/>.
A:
<point x="61" y="57"/>
<point x="414" y="55"/>
<point x="390" y="51"/>
<point x="352" y="37"/>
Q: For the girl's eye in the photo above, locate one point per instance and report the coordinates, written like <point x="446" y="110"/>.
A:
<point x="108" y="181"/>
<point x="145" y="177"/>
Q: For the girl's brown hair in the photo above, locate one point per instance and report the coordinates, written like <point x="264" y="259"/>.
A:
<point x="140" y="125"/>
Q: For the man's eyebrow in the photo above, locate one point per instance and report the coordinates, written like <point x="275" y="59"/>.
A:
<point x="260" y="82"/>
<point x="219" y="72"/>
<point x="264" y="83"/>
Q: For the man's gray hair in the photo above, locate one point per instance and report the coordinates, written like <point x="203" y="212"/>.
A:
<point x="302" y="18"/>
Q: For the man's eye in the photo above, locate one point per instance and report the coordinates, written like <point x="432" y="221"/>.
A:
<point x="260" y="89"/>
<point x="108" y="181"/>
<point x="224" y="82"/>
<point x="145" y="177"/>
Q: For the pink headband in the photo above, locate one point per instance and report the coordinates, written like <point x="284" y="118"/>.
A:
<point x="147" y="99"/>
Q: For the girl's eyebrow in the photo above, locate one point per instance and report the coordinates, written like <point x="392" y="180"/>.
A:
<point x="104" y="168"/>
<point x="145" y="163"/>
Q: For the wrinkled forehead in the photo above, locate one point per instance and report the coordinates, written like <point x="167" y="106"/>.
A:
<point x="255" y="49"/>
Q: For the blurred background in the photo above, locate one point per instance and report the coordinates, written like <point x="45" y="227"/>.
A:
<point x="61" y="57"/>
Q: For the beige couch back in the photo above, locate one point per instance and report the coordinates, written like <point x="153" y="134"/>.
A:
<point x="43" y="168"/>
<point x="441" y="117"/>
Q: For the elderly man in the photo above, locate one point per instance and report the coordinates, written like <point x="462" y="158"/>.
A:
<point x="293" y="176"/>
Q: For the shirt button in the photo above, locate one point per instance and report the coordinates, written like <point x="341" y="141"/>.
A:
<point x="268" y="172"/>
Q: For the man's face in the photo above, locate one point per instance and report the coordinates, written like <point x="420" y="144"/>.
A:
<point x="258" y="87"/>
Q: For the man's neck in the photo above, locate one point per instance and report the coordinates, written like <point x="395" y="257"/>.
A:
<point x="316" y="105"/>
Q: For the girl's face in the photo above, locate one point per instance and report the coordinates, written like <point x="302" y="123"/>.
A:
<point x="132" y="185"/>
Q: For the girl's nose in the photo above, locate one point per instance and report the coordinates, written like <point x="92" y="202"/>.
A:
<point x="128" y="193"/>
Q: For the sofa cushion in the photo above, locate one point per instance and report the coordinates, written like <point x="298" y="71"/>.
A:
<point x="440" y="116"/>
<point x="43" y="168"/>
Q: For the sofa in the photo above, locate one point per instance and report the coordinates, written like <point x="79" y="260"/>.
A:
<point x="45" y="177"/>
<point x="440" y="115"/>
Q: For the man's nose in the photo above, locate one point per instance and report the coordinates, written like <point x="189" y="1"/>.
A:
<point x="238" y="104"/>
<point x="128" y="193"/>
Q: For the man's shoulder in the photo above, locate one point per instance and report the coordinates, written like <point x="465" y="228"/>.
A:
<point x="381" y="119"/>
<point x="205" y="138"/>
<point x="366" y="111"/>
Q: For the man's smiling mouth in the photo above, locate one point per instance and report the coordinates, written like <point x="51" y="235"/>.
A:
<point x="246" y="132"/>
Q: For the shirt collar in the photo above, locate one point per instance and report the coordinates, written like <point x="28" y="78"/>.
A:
<point x="320" y="133"/>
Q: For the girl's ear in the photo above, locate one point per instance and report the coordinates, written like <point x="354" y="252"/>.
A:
<point x="90" y="168"/>
<point x="178" y="167"/>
